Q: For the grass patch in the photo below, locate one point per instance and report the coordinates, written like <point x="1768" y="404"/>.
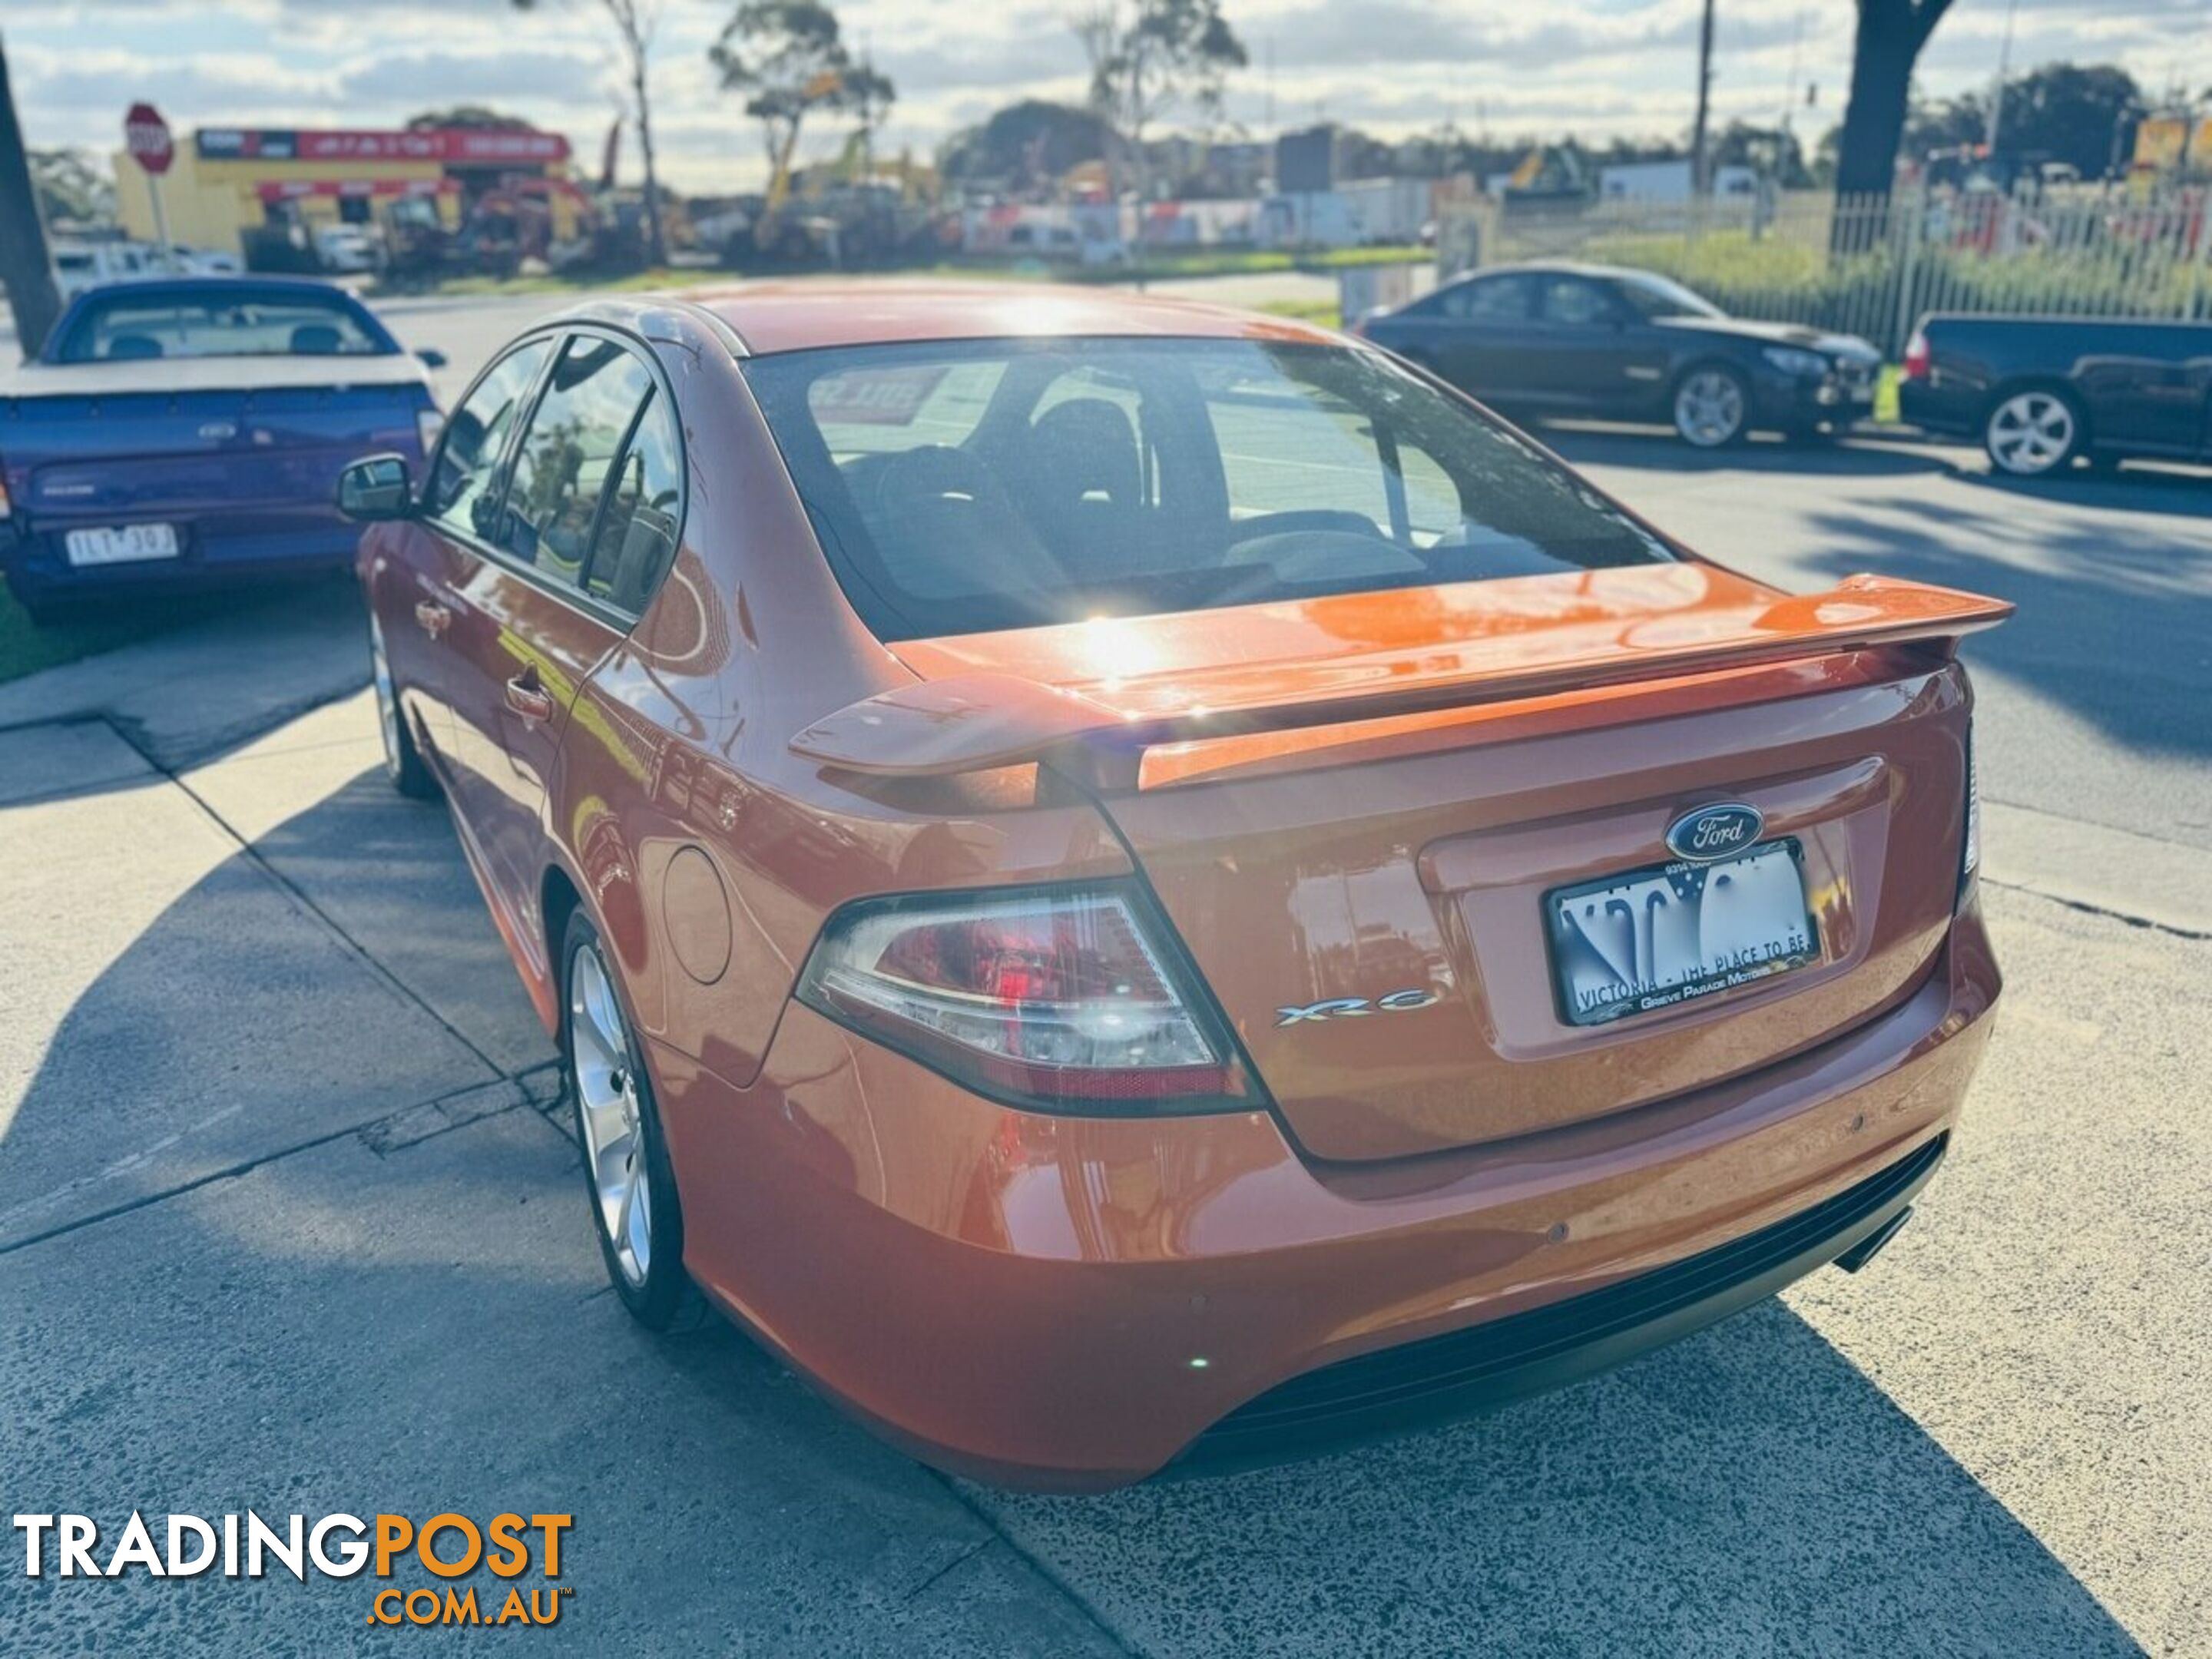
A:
<point x="1322" y="313"/>
<point x="26" y="647"/>
<point x="1884" y="395"/>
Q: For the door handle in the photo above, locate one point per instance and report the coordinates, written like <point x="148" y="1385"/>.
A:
<point x="528" y="698"/>
<point x="433" y="619"/>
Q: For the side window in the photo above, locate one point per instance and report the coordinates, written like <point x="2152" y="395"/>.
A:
<point x="1577" y="304"/>
<point x="638" y="528"/>
<point x="568" y="452"/>
<point x="1490" y="300"/>
<point x="460" y="492"/>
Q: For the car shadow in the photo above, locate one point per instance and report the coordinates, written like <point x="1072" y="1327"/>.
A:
<point x="2112" y="630"/>
<point x="1746" y="1491"/>
<point x="426" y="1317"/>
<point x="2177" y="491"/>
<point x="221" y="669"/>
<point x="1658" y="450"/>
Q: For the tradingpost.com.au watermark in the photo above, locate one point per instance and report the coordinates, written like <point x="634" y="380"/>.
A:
<point x="445" y="1548"/>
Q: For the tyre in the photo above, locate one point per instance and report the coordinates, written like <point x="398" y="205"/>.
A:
<point x="635" y="1212"/>
<point x="2034" y="432"/>
<point x="403" y="763"/>
<point x="1712" y="406"/>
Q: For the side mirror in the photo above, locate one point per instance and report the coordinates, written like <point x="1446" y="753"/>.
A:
<point x="431" y="357"/>
<point x="375" y="489"/>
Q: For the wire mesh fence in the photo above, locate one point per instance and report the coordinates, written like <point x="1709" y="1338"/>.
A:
<point x="1873" y="265"/>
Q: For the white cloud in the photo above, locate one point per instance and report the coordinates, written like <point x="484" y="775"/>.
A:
<point x="1596" y="68"/>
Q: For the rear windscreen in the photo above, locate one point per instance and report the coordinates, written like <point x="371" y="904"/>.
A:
<point x="125" y="325"/>
<point x="964" y="487"/>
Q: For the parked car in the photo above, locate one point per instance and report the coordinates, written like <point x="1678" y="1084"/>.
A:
<point x="177" y="431"/>
<point x="1602" y="341"/>
<point x="1123" y="882"/>
<point x="2043" y="392"/>
<point x="346" y="249"/>
<point x="79" y="266"/>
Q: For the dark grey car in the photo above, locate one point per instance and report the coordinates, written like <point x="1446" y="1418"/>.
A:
<point x="1611" y="342"/>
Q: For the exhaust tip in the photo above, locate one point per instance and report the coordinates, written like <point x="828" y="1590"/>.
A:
<point x="1872" y="1245"/>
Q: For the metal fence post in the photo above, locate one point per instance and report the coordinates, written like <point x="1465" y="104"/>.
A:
<point x="1908" y="275"/>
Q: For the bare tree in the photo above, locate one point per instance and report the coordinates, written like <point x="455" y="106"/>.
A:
<point x="1147" y="56"/>
<point x="790" y="59"/>
<point x="635" y="21"/>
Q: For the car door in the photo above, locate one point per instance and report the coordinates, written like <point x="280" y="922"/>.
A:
<point x="1480" y="333"/>
<point x="1580" y="341"/>
<point x="2143" y="390"/>
<point x="541" y="604"/>
<point x="417" y="606"/>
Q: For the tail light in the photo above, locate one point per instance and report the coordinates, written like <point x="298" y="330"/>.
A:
<point x="1916" y="356"/>
<point x="1063" y="998"/>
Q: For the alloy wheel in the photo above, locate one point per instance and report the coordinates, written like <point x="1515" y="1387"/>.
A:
<point x="1708" y="408"/>
<point x="2031" y="432"/>
<point x="604" y="1074"/>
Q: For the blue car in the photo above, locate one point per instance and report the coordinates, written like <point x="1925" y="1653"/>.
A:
<point x="179" y="433"/>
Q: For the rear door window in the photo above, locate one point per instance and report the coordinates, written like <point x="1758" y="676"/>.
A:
<point x="640" y="519"/>
<point x="1489" y="300"/>
<point x="1574" y="303"/>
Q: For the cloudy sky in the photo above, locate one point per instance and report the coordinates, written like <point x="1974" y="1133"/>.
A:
<point x="1591" y="67"/>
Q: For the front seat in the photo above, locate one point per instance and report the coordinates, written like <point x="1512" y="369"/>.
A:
<point x="316" y="340"/>
<point x="1084" y="486"/>
<point x="133" y="348"/>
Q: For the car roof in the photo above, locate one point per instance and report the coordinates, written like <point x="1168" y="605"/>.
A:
<point x="1553" y="267"/>
<point x="802" y="315"/>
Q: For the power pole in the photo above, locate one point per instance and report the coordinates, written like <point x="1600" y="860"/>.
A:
<point x="1995" y="127"/>
<point x="24" y="265"/>
<point x="1701" y="172"/>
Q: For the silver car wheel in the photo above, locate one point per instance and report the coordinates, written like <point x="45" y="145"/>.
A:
<point x="2031" y="432"/>
<point x="1709" y="408"/>
<point x="603" y="1071"/>
<point x="388" y="700"/>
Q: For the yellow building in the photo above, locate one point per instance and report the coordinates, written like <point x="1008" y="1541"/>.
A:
<point x="2174" y="143"/>
<point x="229" y="185"/>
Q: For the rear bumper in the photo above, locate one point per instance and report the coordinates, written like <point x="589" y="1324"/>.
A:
<point x="1500" y="1360"/>
<point x="1937" y="409"/>
<point x="1794" y="402"/>
<point x="1073" y="1304"/>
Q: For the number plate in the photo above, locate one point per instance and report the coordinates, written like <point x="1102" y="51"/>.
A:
<point x="1650" y="938"/>
<point x="124" y="544"/>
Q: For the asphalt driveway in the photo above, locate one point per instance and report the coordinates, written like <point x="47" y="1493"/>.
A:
<point x="285" y="1223"/>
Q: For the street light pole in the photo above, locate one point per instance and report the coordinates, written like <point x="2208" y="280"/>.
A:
<point x="2004" y="74"/>
<point x="1701" y="173"/>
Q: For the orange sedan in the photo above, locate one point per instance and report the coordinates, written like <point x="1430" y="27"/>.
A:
<point x="1127" y="884"/>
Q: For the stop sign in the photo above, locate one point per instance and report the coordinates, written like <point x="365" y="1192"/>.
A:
<point x="146" y="136"/>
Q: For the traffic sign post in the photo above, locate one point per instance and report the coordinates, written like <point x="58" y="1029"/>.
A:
<point x="146" y="136"/>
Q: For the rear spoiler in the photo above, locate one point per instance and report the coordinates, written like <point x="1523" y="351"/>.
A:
<point x="973" y="722"/>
